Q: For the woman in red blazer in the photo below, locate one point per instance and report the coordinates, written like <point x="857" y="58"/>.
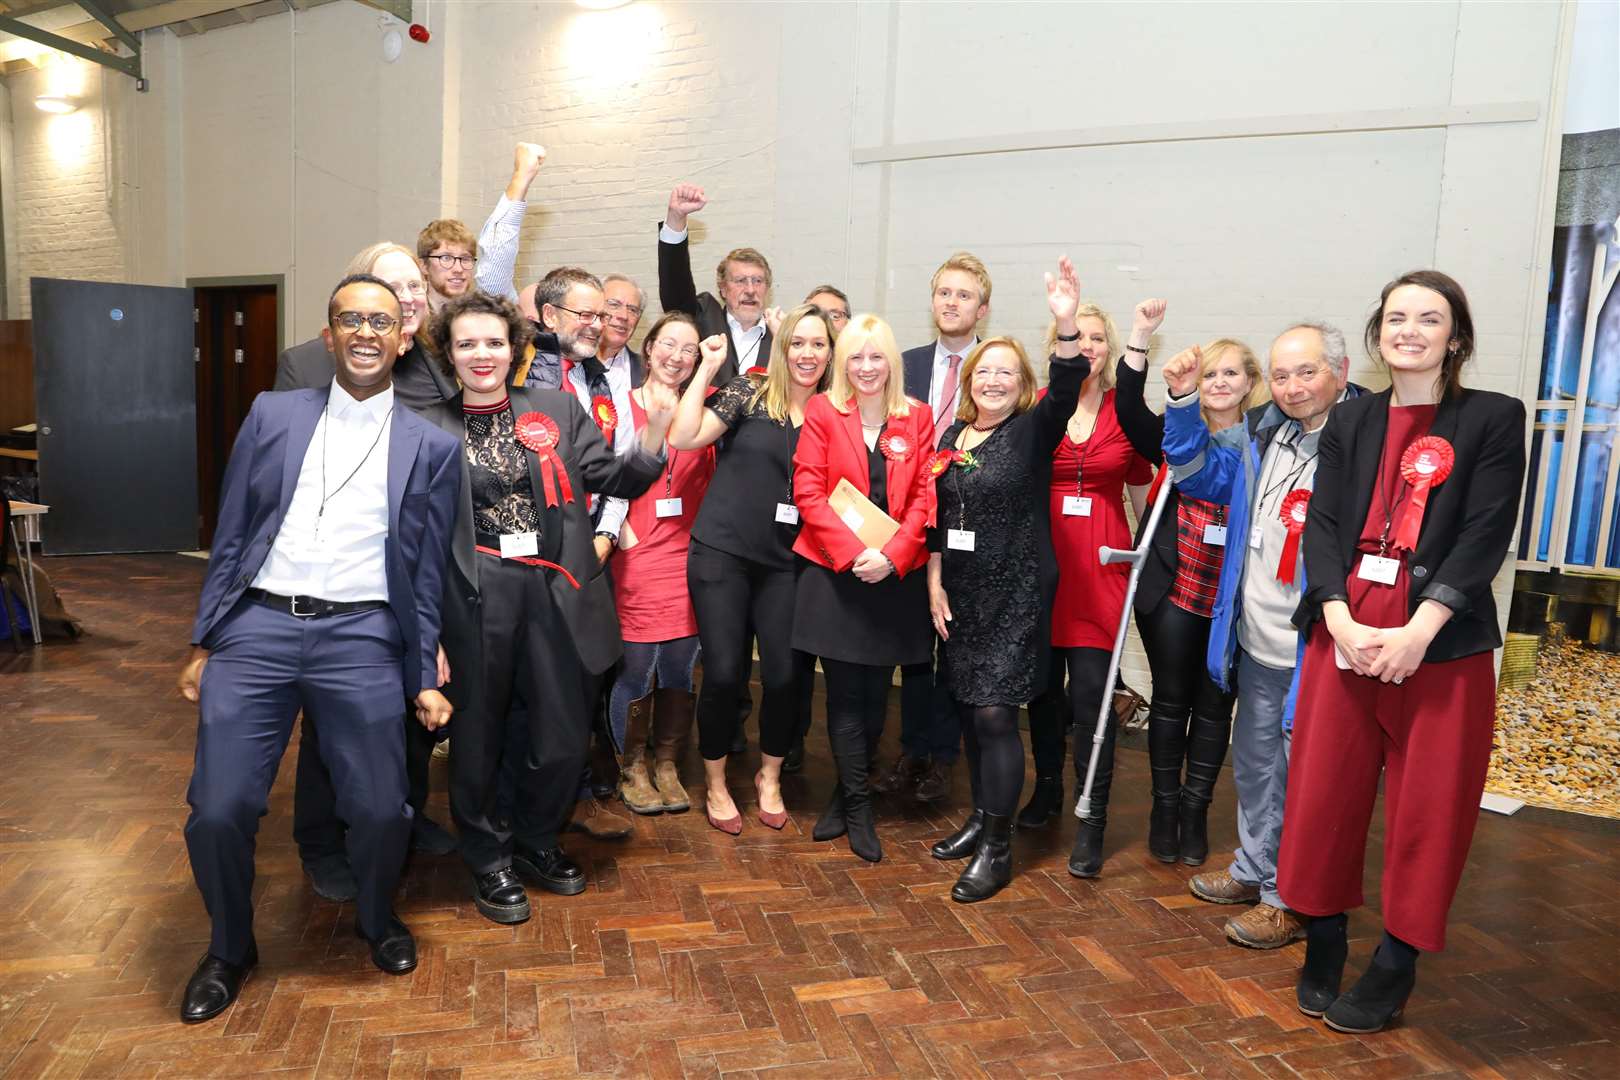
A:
<point x="862" y="609"/>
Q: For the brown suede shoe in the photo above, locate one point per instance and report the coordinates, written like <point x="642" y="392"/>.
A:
<point x="902" y="776"/>
<point x="935" y="783"/>
<point x="1220" y="887"/>
<point x="593" y="818"/>
<point x="1265" y="927"/>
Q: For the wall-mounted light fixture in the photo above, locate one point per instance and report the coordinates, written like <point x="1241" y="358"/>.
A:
<point x="58" y="104"/>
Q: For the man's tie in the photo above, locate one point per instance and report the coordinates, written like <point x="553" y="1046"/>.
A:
<point x="946" y="415"/>
<point x="596" y="381"/>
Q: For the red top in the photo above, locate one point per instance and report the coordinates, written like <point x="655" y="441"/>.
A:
<point x="649" y="576"/>
<point x="1090" y="595"/>
<point x="1198" y="565"/>
<point x="831" y="449"/>
<point x="1371" y="603"/>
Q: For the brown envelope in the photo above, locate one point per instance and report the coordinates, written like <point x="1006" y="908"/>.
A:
<point x="870" y="525"/>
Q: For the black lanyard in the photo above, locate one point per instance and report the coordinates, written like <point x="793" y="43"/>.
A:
<point x="1286" y="484"/>
<point x="326" y="423"/>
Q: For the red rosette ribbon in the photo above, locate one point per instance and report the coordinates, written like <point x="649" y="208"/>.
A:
<point x="939" y="461"/>
<point x="539" y="433"/>
<point x="758" y="371"/>
<point x="1294" y="508"/>
<point x="605" y="415"/>
<point x="895" y="446"/>
<point x="1426" y="464"/>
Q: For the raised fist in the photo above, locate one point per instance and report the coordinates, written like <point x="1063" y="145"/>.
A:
<point x="527" y="159"/>
<point x="683" y="200"/>
<point x="1181" y="371"/>
<point x="713" y="349"/>
<point x="1149" y="314"/>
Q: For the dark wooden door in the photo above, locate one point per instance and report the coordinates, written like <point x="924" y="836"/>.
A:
<point x="236" y="361"/>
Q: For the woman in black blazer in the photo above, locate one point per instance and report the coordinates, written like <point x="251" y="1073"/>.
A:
<point x="1190" y="717"/>
<point x="1417" y="490"/>
<point x="527" y="605"/>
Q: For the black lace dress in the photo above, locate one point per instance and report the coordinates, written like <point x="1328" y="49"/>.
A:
<point x="1001" y="592"/>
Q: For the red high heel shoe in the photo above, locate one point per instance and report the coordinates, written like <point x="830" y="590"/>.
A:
<point x="766" y="818"/>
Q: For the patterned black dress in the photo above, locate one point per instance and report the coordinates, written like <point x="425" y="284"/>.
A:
<point x="1001" y="592"/>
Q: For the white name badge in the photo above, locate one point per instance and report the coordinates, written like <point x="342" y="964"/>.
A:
<point x="1254" y="536"/>
<point x="1379" y="569"/>
<point x="1077" y="506"/>
<point x="787" y="514"/>
<point x="516" y="545"/>
<point x="667" y="508"/>
<point x="959" y="539"/>
<point x="314" y="552"/>
<point x="1215" y="535"/>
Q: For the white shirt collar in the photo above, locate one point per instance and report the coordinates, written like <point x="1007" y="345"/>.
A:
<point x="737" y="331"/>
<point x="376" y="407"/>
<point x="942" y="355"/>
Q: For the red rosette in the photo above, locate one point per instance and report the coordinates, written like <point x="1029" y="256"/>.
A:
<point x="605" y="415"/>
<point x="539" y="433"/>
<point x="1426" y="464"/>
<point x="939" y="461"/>
<point x="1293" y="511"/>
<point x="758" y="371"/>
<point x="895" y="446"/>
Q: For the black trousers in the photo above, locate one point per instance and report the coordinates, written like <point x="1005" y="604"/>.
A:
<point x="526" y="648"/>
<point x="317" y="829"/>
<point x="1049" y="719"/>
<point x="1190" y="716"/>
<point x="730" y="595"/>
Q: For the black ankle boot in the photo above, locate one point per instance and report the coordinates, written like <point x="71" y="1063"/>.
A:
<point x="862" y="827"/>
<point x="964" y="841"/>
<point x="1044" y="802"/>
<point x="1326" y="948"/>
<point x="1167" y="744"/>
<point x="1164" y="829"/>
<point x="1086" y="860"/>
<point x="1206" y="749"/>
<point x="1194" y="832"/>
<point x="1378" y="997"/>
<point x="990" y="869"/>
<point x="830" y="825"/>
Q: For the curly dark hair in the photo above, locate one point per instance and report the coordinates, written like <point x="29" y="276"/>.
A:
<point x="519" y="331"/>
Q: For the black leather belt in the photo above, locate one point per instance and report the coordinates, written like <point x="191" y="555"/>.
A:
<point x="311" y="607"/>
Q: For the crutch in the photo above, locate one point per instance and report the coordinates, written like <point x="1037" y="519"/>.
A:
<point x="1136" y="557"/>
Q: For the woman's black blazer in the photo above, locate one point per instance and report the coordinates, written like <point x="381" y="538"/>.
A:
<point x="1144" y="429"/>
<point x="1467" y="525"/>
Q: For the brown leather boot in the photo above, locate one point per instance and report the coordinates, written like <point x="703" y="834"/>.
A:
<point x="634" y="786"/>
<point x="672" y="728"/>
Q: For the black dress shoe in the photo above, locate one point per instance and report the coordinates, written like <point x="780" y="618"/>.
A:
<point x="1378" y="997"/>
<point x="500" y="896"/>
<point x="990" y="869"/>
<point x="1086" y="860"/>
<point x="214" y="985"/>
<point x="794" y="762"/>
<point x="429" y="837"/>
<point x="551" y="869"/>
<point x="1319" y="980"/>
<point x="331" y="878"/>
<point x="963" y="842"/>
<point x="395" y="951"/>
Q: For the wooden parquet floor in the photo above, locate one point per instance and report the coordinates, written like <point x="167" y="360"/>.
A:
<point x="693" y="954"/>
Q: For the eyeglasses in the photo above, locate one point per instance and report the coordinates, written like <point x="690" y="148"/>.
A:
<point x="756" y="281"/>
<point x="689" y="352"/>
<point x="614" y="307"/>
<point x="985" y="374"/>
<point x="415" y="288"/>
<point x="586" y="317"/>
<point x="380" y="322"/>
<point x="837" y="318"/>
<point x="446" y="261"/>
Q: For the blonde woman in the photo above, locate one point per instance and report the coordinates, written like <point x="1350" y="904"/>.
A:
<point x="861" y="609"/>
<point x="740" y="569"/>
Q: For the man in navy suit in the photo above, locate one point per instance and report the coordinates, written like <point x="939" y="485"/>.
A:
<point x="930" y="732"/>
<point x="322" y="594"/>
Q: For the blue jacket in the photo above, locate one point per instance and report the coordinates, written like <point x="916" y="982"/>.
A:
<point x="1224" y="468"/>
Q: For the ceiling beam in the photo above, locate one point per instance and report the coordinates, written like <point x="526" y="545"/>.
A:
<point x="96" y="12"/>
<point x="129" y="65"/>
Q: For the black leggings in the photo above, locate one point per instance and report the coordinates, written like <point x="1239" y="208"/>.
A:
<point x="1049" y="720"/>
<point x="730" y="594"/>
<point x="995" y="756"/>
<point x="1187" y="707"/>
<point x="857" y="697"/>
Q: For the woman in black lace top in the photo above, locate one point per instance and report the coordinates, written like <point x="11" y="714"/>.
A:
<point x="740" y="568"/>
<point x="526" y="603"/>
<point x="992" y="574"/>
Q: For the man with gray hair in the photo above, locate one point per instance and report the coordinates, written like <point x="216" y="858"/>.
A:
<point x="1264" y="470"/>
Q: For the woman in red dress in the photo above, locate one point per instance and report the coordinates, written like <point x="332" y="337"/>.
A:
<point x="1092" y="470"/>
<point x="654" y="686"/>
<point x="1417" y="491"/>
